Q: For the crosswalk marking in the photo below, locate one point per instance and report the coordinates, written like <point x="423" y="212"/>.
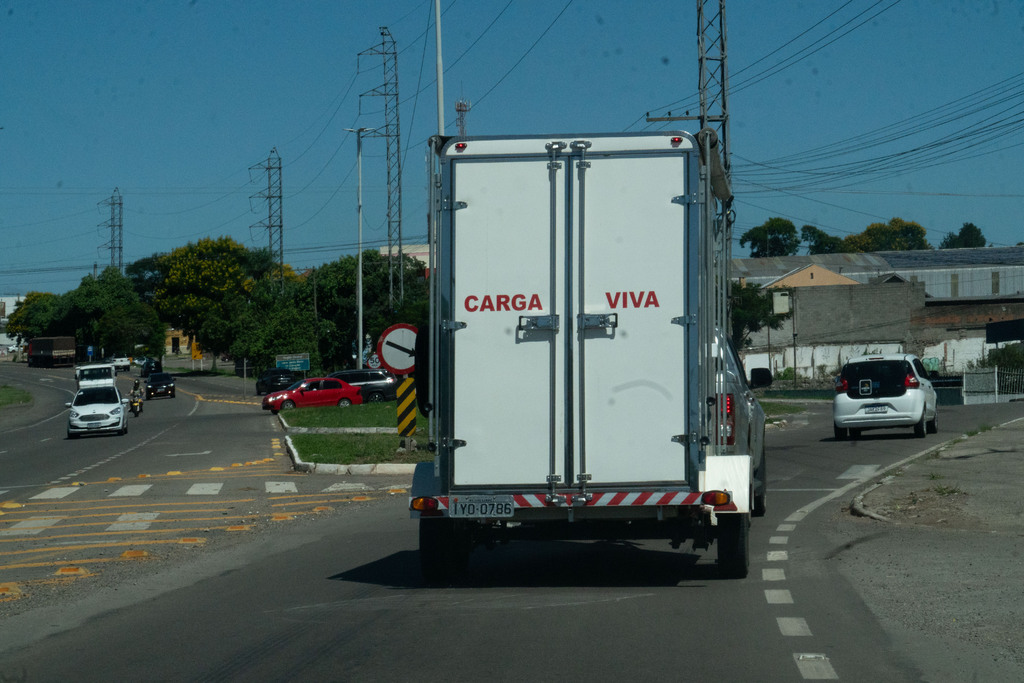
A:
<point x="281" y="487"/>
<point x="61" y="492"/>
<point x="131" y="490"/>
<point x="345" y="486"/>
<point x="30" y="526"/>
<point x="204" y="490"/>
<point x="133" y="521"/>
<point x="860" y="472"/>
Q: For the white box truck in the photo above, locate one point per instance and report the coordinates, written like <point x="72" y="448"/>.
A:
<point x="576" y="369"/>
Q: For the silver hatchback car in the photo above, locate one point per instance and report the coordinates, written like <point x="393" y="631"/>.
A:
<point x="890" y="390"/>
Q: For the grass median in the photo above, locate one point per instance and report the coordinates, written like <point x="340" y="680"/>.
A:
<point x="354" y="448"/>
<point x="10" y="396"/>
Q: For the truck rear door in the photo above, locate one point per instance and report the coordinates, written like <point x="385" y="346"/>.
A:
<point x="568" y="322"/>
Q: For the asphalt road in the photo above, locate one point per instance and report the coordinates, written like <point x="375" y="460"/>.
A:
<point x="336" y="595"/>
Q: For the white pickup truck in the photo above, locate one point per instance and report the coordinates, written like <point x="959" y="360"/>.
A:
<point x="578" y="384"/>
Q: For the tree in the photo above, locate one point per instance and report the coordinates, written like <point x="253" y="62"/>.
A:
<point x="34" y="316"/>
<point x="969" y="237"/>
<point x="146" y="275"/>
<point x="127" y="327"/>
<point x="820" y="242"/>
<point x="751" y="312"/>
<point x="82" y="308"/>
<point x="776" y="237"/>
<point x="896" y="235"/>
<point x="199" y="279"/>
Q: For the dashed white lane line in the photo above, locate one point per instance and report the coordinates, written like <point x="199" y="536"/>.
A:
<point x="59" y="492"/>
<point x="778" y="597"/>
<point x="281" y="487"/>
<point x="778" y="540"/>
<point x="204" y="490"/>
<point x="131" y="490"/>
<point x="30" y="526"/>
<point x="814" y="667"/>
<point x="778" y="555"/>
<point x="133" y="521"/>
<point x="793" y="626"/>
<point x="773" y="574"/>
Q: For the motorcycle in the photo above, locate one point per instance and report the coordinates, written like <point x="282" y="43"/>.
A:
<point x="135" y="405"/>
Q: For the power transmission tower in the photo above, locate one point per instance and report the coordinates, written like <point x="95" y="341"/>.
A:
<point x="274" y="224"/>
<point x="116" y="225"/>
<point x="390" y="132"/>
<point x="462" y="107"/>
<point x="714" y="74"/>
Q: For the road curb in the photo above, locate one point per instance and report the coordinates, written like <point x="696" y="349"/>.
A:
<point x="326" y="468"/>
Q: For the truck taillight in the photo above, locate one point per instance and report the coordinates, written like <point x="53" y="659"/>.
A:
<point x="730" y="420"/>
<point x="911" y="382"/>
<point x="842" y="386"/>
<point x="425" y="505"/>
<point x="715" y="498"/>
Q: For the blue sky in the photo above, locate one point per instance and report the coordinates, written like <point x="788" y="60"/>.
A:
<point x="842" y="113"/>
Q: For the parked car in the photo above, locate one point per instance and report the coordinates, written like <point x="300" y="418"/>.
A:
<point x="150" y="366"/>
<point x="95" y="410"/>
<point x="159" y="384"/>
<point x="274" y="379"/>
<point x="889" y="390"/>
<point x="376" y="385"/>
<point x="316" y="391"/>
<point x="140" y="360"/>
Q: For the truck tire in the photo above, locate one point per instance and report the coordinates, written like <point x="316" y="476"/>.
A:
<point x="733" y="545"/>
<point x="760" y="506"/>
<point x="444" y="552"/>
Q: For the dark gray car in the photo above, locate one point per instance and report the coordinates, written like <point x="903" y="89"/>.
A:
<point x="376" y="385"/>
<point x="274" y="379"/>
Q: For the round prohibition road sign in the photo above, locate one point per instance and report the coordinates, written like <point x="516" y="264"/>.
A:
<point x="397" y="348"/>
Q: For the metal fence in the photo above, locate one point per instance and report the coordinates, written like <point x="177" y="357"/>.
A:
<point x="992" y="385"/>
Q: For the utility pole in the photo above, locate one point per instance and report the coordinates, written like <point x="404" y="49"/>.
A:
<point x="391" y="133"/>
<point x="359" y="267"/>
<point x="274" y="224"/>
<point x="116" y="225"/>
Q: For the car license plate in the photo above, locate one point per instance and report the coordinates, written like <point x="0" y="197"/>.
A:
<point x="874" y="409"/>
<point x="481" y="506"/>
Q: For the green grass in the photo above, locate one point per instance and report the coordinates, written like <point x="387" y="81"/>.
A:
<point x="10" y="396"/>
<point x="774" y="409"/>
<point x="355" y="449"/>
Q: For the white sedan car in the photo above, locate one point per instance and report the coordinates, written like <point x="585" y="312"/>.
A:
<point x="96" y="410"/>
<point x="888" y="390"/>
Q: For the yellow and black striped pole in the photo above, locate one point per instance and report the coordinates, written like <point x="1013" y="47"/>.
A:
<point x="407" y="406"/>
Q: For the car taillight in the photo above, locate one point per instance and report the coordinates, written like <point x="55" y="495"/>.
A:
<point x="842" y="386"/>
<point x="911" y="382"/>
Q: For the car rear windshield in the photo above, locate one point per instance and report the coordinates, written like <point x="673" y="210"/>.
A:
<point x="877" y="378"/>
<point x="159" y="377"/>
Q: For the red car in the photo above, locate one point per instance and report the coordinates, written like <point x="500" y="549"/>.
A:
<point x="315" y="391"/>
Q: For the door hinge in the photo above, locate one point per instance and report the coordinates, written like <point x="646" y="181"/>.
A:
<point x="448" y="442"/>
<point x="452" y="325"/>
<point x="685" y="199"/>
<point x="685" y="320"/>
<point x="450" y="205"/>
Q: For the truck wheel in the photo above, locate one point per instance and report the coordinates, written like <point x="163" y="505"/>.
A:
<point x="444" y="551"/>
<point x="761" y="495"/>
<point x="733" y="545"/>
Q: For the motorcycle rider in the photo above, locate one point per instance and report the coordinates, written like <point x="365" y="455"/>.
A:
<point x="137" y="394"/>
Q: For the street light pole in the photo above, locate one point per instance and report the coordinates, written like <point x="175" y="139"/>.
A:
<point x="359" y="268"/>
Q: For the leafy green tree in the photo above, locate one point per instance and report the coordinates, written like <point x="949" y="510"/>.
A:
<point x="146" y="274"/>
<point x="776" y="237"/>
<point x="896" y="235"/>
<point x="199" y="279"/>
<point x="34" y="316"/>
<point x="130" y="326"/>
<point x="969" y="237"/>
<point x="820" y="242"/>
<point x="751" y="311"/>
<point x="82" y="308"/>
<point x="1009" y="357"/>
